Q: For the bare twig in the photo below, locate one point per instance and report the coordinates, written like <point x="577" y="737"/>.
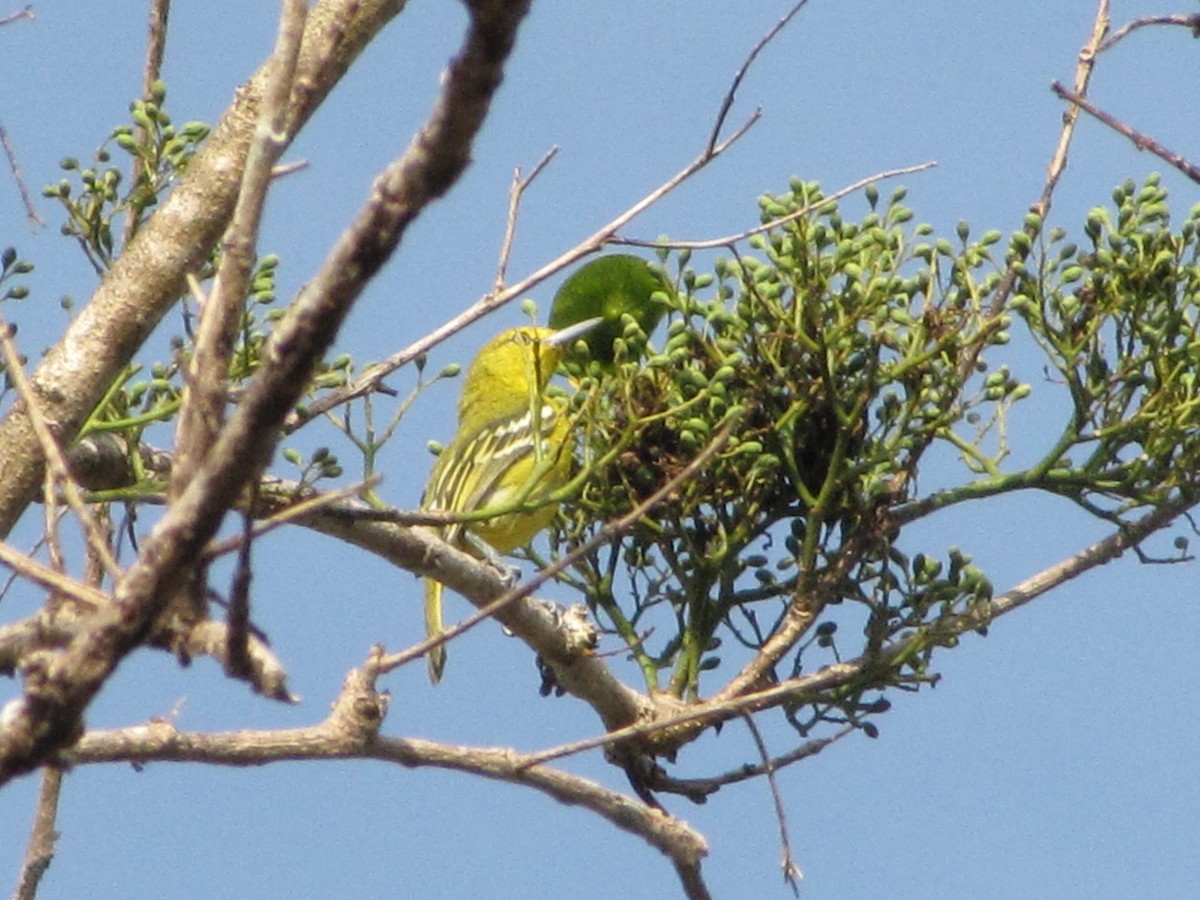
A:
<point x="31" y="213"/>
<point x="237" y="617"/>
<point x="13" y="574"/>
<point x="791" y="872"/>
<point x="705" y="786"/>
<point x="51" y="579"/>
<point x="206" y="384"/>
<point x="24" y="13"/>
<point x="205" y="393"/>
<point x="515" y="193"/>
<point x="55" y="459"/>
<point x="1187" y="21"/>
<point x="1139" y="140"/>
<point x="39" y="852"/>
<point x="727" y="100"/>
<point x="1083" y="77"/>
<point x="731" y="239"/>
<point x="303" y="505"/>
<point x="283" y="170"/>
<point x="156" y="45"/>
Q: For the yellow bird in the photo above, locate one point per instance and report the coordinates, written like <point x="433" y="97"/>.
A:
<point x="511" y="446"/>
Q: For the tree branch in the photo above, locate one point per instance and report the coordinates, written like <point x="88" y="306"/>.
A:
<point x="351" y="732"/>
<point x="691" y="719"/>
<point x="48" y="716"/>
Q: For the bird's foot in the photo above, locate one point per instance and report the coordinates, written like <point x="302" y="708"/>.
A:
<point x="511" y="575"/>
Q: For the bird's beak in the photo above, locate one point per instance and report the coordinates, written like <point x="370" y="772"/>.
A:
<point x="568" y="334"/>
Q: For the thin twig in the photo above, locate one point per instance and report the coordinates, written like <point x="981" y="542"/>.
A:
<point x="705" y="786"/>
<point x="56" y="461"/>
<point x="206" y="384"/>
<point x="1139" y="140"/>
<point x="1187" y="21"/>
<point x="237" y="617"/>
<point x="727" y="100"/>
<point x="515" y="193"/>
<point x="39" y="852"/>
<point x="731" y="239"/>
<point x="156" y="45"/>
<point x="1083" y="76"/>
<point x="206" y="391"/>
<point x="13" y="573"/>
<point x="791" y="872"/>
<point x="283" y="170"/>
<point x="51" y="579"/>
<point x="25" y="13"/>
<point x="290" y="513"/>
<point x="31" y="213"/>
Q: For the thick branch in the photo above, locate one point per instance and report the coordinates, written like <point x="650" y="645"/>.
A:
<point x="417" y="550"/>
<point x="351" y="732"/>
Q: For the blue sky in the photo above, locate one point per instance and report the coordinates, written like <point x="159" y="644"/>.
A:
<point x="1055" y="759"/>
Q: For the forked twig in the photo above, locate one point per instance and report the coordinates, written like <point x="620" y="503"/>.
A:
<point x="727" y="100"/>
<point x="515" y="193"/>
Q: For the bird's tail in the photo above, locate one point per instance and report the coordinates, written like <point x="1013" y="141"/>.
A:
<point x="436" y="658"/>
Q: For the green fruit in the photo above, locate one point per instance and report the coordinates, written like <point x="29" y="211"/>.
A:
<point x="611" y="287"/>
